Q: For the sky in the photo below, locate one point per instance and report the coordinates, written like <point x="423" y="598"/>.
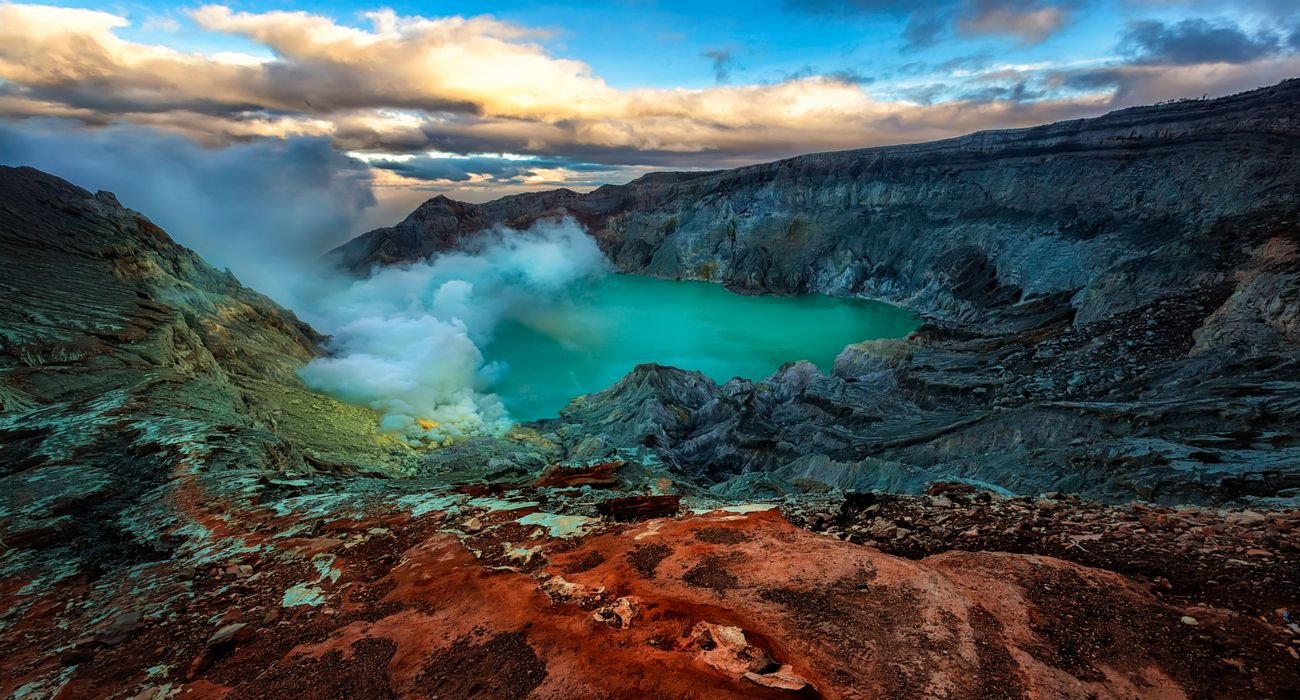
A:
<point x="309" y="123"/>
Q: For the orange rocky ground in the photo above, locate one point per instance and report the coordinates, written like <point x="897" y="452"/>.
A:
<point x="462" y="597"/>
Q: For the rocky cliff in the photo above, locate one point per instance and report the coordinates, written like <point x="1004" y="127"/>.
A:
<point x="127" y="363"/>
<point x="1113" y="306"/>
<point x="951" y="227"/>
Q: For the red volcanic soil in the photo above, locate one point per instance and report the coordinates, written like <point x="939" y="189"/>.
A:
<point x="701" y="606"/>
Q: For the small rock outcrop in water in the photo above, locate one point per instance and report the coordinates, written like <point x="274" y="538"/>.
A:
<point x="1111" y="307"/>
<point x="179" y="516"/>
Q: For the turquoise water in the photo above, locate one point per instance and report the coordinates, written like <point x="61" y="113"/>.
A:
<point x="611" y="325"/>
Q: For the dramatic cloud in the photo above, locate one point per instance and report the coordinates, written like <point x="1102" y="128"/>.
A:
<point x="250" y="207"/>
<point x="410" y="84"/>
<point x="406" y="92"/>
<point x="1194" y="41"/>
<point x="406" y="341"/>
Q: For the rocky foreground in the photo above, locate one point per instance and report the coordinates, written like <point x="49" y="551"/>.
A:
<point x="181" y="517"/>
<point x="355" y="588"/>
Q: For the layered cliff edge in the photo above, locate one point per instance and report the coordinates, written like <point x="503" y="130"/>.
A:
<point x="1113" y="306"/>
<point x="953" y="227"/>
<point x="180" y="517"/>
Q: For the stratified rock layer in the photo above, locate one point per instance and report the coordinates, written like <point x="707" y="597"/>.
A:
<point x="1112" y="306"/>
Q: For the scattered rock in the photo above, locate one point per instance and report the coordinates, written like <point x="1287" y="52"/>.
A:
<point x="783" y="678"/>
<point x="120" y="628"/>
<point x="600" y="474"/>
<point x="620" y="613"/>
<point x="636" y="507"/>
<point x="725" y="648"/>
<point x="561" y="590"/>
<point x="233" y="633"/>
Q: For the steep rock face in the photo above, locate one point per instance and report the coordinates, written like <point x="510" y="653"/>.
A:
<point x="1112" y="307"/>
<point x="129" y="366"/>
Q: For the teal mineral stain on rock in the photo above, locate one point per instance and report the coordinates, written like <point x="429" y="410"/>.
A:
<point x="324" y="564"/>
<point x="497" y="504"/>
<point x="558" y="525"/>
<point x="303" y="594"/>
<point x="557" y="352"/>
<point x="520" y="554"/>
<point x="425" y="503"/>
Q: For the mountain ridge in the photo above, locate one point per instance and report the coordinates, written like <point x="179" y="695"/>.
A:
<point x="1103" y="299"/>
<point x="612" y="212"/>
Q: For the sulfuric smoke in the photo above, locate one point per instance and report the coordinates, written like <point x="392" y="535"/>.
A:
<point x="407" y="340"/>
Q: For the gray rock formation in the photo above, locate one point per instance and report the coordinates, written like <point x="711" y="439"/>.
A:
<point x="1112" y="305"/>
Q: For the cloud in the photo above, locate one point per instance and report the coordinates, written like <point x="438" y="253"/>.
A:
<point x="161" y="24"/>
<point x="498" y="169"/>
<point x="967" y="63"/>
<point x="850" y="76"/>
<point x="1016" y="92"/>
<point x="250" y="207"/>
<point x="407" y="340"/>
<point x="1136" y="84"/>
<point x="1193" y="41"/>
<point x="1261" y="9"/>
<point x="723" y="62"/>
<point x="1031" y="21"/>
<point x="923" y="30"/>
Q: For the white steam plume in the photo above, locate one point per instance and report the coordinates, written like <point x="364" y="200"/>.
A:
<point x="406" y="341"/>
